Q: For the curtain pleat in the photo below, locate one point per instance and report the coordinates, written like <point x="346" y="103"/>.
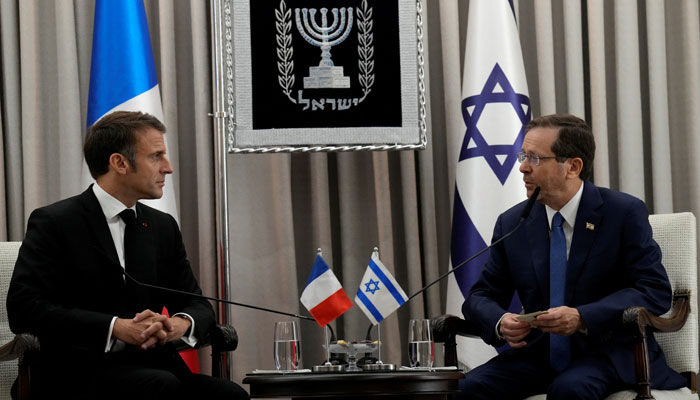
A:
<point x="573" y="45"/>
<point x="629" y="99"/>
<point x="545" y="57"/>
<point x="690" y="42"/>
<point x="658" y="108"/>
<point x="598" y="85"/>
<point x="13" y="217"/>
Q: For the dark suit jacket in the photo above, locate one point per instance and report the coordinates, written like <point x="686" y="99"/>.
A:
<point x="68" y="284"/>
<point x="613" y="263"/>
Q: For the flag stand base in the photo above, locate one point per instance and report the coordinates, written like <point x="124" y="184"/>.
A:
<point x="328" y="368"/>
<point x="378" y="367"/>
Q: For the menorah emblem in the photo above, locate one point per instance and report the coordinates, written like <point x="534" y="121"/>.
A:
<point x="326" y="74"/>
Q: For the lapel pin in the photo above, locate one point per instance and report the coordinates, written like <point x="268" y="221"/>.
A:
<point x="590" y="226"/>
<point x="144" y="224"/>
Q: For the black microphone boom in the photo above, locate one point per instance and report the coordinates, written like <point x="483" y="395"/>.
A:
<point x="523" y="217"/>
<point x="214" y="298"/>
<point x="123" y="271"/>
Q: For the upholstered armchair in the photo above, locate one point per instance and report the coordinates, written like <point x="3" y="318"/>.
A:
<point x="676" y="331"/>
<point x="19" y="352"/>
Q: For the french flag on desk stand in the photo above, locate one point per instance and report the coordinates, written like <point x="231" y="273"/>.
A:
<point x="323" y="295"/>
<point x="123" y="78"/>
<point x="379" y="294"/>
<point x="123" y="75"/>
<point x="495" y="110"/>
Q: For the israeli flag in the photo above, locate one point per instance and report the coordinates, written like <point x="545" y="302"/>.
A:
<point x="123" y="75"/>
<point x="379" y="294"/>
<point x="495" y="110"/>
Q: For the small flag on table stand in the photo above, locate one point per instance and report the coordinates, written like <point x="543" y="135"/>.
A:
<point x="324" y="296"/>
<point x="379" y="294"/>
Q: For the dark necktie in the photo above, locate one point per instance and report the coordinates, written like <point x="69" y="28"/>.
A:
<point x="559" y="349"/>
<point x="132" y="258"/>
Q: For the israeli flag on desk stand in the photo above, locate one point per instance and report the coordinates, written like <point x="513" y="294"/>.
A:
<point x="379" y="294"/>
<point x="123" y="76"/>
<point x="495" y="109"/>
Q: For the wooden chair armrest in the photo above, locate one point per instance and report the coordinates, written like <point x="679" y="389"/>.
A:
<point x="639" y="320"/>
<point x="224" y="339"/>
<point x="445" y="330"/>
<point x="25" y="349"/>
<point x="446" y="327"/>
<point x="17" y="348"/>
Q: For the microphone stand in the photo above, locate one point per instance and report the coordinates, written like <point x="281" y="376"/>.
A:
<point x="523" y="217"/>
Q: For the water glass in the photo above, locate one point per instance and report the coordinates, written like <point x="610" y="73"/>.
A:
<point x="287" y="346"/>
<point x="421" y="347"/>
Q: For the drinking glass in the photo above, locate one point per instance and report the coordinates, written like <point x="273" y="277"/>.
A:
<point x="287" y="346"/>
<point x="420" y="343"/>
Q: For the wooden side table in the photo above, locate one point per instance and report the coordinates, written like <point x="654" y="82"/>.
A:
<point x="361" y="385"/>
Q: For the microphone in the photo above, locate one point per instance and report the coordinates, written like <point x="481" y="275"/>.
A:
<point x="148" y="285"/>
<point x="523" y="217"/>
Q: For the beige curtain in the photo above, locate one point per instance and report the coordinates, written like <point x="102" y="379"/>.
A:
<point x="630" y="67"/>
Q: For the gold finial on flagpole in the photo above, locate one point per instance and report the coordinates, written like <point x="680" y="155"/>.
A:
<point x="319" y="252"/>
<point x="376" y="250"/>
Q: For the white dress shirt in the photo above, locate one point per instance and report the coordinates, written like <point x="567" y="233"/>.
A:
<point x="111" y="207"/>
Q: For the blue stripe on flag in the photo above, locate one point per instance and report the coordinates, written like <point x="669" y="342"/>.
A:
<point x="368" y="303"/>
<point x="382" y="277"/>
<point x="122" y="64"/>
<point x="465" y="242"/>
<point x="318" y="269"/>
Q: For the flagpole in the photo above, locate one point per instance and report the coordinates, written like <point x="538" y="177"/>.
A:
<point x="220" y="176"/>
<point x="379" y="343"/>
<point x="328" y="346"/>
<point x="379" y="326"/>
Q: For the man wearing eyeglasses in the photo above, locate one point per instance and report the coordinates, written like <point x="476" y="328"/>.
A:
<point x="583" y="256"/>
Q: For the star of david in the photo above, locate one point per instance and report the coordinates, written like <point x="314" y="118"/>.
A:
<point x="371" y="286"/>
<point x="497" y="89"/>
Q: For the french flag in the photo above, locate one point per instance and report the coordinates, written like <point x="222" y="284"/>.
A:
<point x="323" y="295"/>
<point x="123" y="75"/>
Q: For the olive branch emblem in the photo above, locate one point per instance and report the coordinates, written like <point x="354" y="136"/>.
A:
<point x="285" y="51"/>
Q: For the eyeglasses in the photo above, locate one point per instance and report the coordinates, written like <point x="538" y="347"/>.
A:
<point x="532" y="159"/>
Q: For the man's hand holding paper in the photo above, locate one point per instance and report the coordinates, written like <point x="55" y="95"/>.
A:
<point x="562" y="320"/>
<point x="514" y="330"/>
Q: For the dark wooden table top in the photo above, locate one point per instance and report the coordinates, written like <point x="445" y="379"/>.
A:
<point x="360" y="385"/>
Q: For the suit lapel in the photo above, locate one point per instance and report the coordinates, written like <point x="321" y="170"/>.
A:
<point x="537" y="229"/>
<point x="95" y="220"/>
<point x="585" y="232"/>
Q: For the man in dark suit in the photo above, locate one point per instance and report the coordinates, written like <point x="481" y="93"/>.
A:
<point x="102" y="336"/>
<point x="584" y="255"/>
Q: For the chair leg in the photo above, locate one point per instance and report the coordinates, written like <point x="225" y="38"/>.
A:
<point x="641" y="367"/>
<point x="219" y="364"/>
<point x="692" y="380"/>
<point x="24" y="388"/>
<point x="451" y="353"/>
